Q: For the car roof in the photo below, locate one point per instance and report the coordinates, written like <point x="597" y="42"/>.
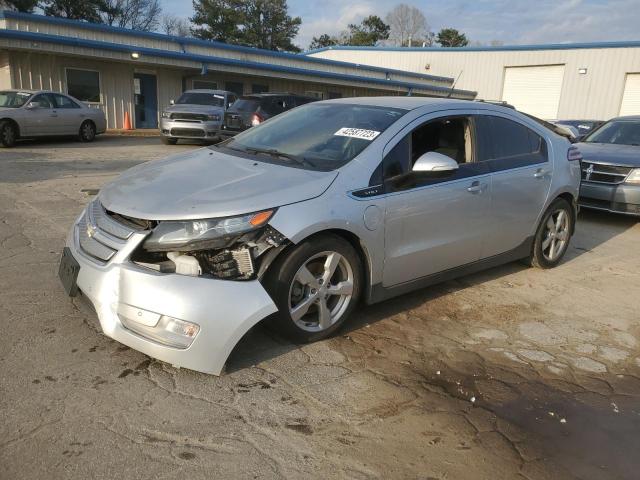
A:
<point x="627" y="117"/>
<point x="411" y="103"/>
<point x="275" y="94"/>
<point x="207" y="90"/>
<point x="29" y="90"/>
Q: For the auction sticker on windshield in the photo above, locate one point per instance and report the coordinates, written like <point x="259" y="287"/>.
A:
<point x="357" y="133"/>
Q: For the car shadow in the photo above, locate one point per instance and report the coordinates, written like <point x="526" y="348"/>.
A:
<point x="260" y="344"/>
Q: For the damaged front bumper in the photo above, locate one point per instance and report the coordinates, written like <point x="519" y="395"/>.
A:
<point x="152" y="312"/>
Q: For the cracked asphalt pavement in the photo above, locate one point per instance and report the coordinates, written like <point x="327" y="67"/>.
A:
<point x="510" y="373"/>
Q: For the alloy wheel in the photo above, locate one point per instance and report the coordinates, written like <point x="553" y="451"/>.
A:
<point x="556" y="235"/>
<point x="321" y="291"/>
<point x="8" y="134"/>
<point x="87" y="131"/>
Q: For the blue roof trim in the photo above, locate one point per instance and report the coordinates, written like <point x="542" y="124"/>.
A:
<point x="502" y="48"/>
<point x="194" y="41"/>
<point x="153" y="52"/>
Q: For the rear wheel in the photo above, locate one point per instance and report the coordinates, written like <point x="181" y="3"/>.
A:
<point x="553" y="235"/>
<point x="315" y="287"/>
<point x="8" y="134"/>
<point x="169" y="140"/>
<point x="87" y="131"/>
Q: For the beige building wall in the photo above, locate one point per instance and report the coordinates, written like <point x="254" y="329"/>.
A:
<point x="39" y="71"/>
<point x="594" y="95"/>
<point x="5" y="71"/>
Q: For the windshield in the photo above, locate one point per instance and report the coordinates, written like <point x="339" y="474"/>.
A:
<point x="323" y="136"/>
<point x="193" y="98"/>
<point x="244" y="105"/>
<point x="618" y="132"/>
<point x="13" y="99"/>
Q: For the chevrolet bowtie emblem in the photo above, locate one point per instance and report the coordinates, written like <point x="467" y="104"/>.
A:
<point x="91" y="230"/>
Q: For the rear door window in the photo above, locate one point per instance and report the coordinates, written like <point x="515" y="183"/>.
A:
<point x="245" y="105"/>
<point x="64" y="102"/>
<point x="273" y="105"/>
<point x="506" y="144"/>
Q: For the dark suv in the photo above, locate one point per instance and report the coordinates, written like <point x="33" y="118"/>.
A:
<point x="252" y="110"/>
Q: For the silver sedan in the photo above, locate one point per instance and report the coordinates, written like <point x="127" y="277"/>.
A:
<point x="302" y="217"/>
<point x="43" y="113"/>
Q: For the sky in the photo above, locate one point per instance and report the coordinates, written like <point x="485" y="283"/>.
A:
<point x="511" y="22"/>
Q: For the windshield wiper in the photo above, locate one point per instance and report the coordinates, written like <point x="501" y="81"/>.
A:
<point x="277" y="153"/>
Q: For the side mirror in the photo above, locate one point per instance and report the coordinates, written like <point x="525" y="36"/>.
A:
<point x="32" y="105"/>
<point x="172" y="102"/>
<point x="434" y="162"/>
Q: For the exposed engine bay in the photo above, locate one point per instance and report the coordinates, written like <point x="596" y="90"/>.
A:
<point x="233" y="257"/>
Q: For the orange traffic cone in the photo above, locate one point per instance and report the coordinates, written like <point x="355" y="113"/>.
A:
<point x="127" y="121"/>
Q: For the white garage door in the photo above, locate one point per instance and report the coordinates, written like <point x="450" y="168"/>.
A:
<point x="631" y="97"/>
<point x="534" y="90"/>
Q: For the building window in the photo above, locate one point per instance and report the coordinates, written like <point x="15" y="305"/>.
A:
<point x="84" y="85"/>
<point x="235" y="87"/>
<point x="314" y="94"/>
<point x="206" y="84"/>
<point x="259" y="88"/>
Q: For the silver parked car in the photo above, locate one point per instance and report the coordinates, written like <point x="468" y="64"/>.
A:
<point x="300" y="218"/>
<point x="611" y="167"/>
<point x="197" y="114"/>
<point x="42" y="113"/>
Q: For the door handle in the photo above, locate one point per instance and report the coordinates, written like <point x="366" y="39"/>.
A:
<point x="475" y="187"/>
<point x="541" y="173"/>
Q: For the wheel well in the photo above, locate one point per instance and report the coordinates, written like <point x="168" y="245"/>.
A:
<point x="354" y="240"/>
<point x="12" y="122"/>
<point x="350" y="237"/>
<point x="89" y="121"/>
<point x="572" y="201"/>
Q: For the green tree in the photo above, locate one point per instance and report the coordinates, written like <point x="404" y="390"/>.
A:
<point x="257" y="23"/>
<point x="19" y="5"/>
<point x="88" y="10"/>
<point x="370" y="31"/>
<point x="220" y="20"/>
<point x="450" y="37"/>
<point x="268" y="25"/>
<point x="324" y="40"/>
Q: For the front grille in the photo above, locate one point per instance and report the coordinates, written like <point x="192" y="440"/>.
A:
<point x="188" y="116"/>
<point x="187" y="132"/>
<point x="602" y="173"/>
<point x="99" y="236"/>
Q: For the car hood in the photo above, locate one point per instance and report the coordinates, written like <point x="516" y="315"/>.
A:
<point x="194" y="108"/>
<point x="625" y="155"/>
<point x="207" y="184"/>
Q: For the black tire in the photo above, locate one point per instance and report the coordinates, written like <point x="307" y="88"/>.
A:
<point x="540" y="255"/>
<point x="8" y="134"/>
<point x="87" y="131"/>
<point x="280" y="282"/>
<point x="169" y="140"/>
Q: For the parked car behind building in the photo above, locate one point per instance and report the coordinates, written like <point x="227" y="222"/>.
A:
<point x="44" y="113"/>
<point x="252" y="110"/>
<point x="309" y="213"/>
<point x="611" y="167"/>
<point x="197" y="114"/>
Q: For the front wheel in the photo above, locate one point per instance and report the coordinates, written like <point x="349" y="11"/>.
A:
<point x="553" y="235"/>
<point x="87" y="131"/>
<point x="315" y="286"/>
<point x="8" y="134"/>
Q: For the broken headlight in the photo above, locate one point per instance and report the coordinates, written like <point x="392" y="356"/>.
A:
<point x="200" y="234"/>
